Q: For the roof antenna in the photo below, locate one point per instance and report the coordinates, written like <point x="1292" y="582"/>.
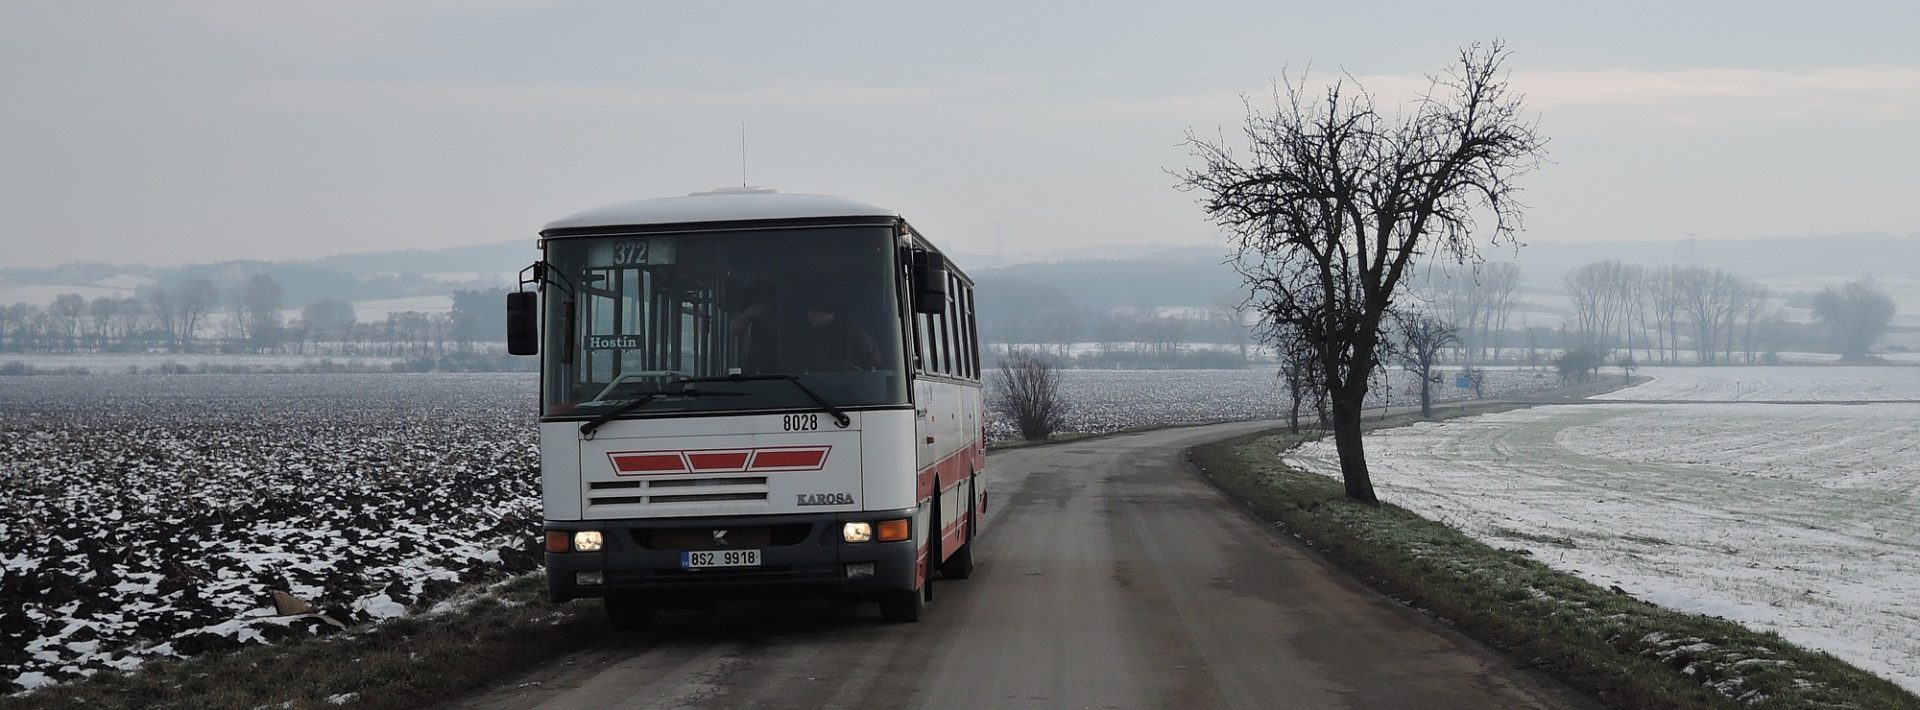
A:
<point x="743" y="153"/>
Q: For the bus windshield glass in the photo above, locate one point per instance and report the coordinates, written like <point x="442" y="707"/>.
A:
<point x="633" y="316"/>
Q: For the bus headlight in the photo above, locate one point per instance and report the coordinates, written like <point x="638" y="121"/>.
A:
<point x="587" y="541"/>
<point x="857" y="532"/>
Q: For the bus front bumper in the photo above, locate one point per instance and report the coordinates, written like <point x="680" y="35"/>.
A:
<point x="797" y="553"/>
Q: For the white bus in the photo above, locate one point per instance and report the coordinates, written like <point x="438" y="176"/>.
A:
<point x="745" y="390"/>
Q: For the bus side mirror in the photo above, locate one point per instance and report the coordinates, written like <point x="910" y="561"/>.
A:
<point x="523" y="323"/>
<point x="929" y="283"/>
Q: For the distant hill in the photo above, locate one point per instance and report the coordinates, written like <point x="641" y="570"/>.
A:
<point x="1172" y="278"/>
<point x="1099" y="277"/>
<point x="1833" y="256"/>
<point x="499" y="257"/>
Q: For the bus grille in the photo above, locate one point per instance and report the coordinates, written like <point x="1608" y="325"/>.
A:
<point x="665" y="491"/>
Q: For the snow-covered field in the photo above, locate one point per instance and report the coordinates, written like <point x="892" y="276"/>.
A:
<point x="151" y="516"/>
<point x="1799" y="518"/>
<point x="1104" y="401"/>
<point x="146" y="517"/>
<point x="123" y="363"/>
<point x="377" y="310"/>
<point x="1796" y="384"/>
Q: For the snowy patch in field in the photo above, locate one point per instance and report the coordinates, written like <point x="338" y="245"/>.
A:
<point x="1775" y="384"/>
<point x="121" y="363"/>
<point x="165" y="511"/>
<point x="1793" y="358"/>
<point x="377" y="310"/>
<point x="1802" y="519"/>
<point x="1102" y="401"/>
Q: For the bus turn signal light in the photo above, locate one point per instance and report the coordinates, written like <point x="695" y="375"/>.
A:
<point x="891" y="530"/>
<point x="557" y="540"/>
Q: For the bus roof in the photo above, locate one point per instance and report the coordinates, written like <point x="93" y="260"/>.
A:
<point x="727" y="204"/>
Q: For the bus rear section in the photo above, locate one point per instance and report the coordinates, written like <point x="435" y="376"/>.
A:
<point x="748" y="403"/>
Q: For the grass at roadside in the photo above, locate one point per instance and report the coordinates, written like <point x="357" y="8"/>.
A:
<point x="1625" y="652"/>
<point x="408" y="662"/>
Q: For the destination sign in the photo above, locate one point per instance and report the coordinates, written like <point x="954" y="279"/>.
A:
<point x="613" y="342"/>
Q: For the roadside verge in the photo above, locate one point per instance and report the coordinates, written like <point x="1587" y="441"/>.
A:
<point x="1622" y="651"/>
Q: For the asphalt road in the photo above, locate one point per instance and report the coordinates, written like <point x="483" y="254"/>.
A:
<point x="1111" y="577"/>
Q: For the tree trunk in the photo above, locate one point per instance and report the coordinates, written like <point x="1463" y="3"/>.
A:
<point x="1426" y="393"/>
<point x="1293" y="415"/>
<point x="1346" y="438"/>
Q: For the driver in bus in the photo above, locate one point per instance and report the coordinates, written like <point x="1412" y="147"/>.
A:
<point x="831" y="339"/>
<point x="755" y="336"/>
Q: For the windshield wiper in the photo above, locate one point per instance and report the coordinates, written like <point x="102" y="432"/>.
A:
<point x="839" y="417"/>
<point x="588" y="428"/>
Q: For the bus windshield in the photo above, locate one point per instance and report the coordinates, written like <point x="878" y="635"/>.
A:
<point x="632" y="316"/>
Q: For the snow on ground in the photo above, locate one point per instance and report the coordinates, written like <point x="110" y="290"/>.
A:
<point x="149" y="517"/>
<point x="120" y="363"/>
<point x="377" y="310"/>
<point x="1798" y="518"/>
<point x="1785" y="384"/>
<point x="1102" y="401"/>
<point x="145" y="517"/>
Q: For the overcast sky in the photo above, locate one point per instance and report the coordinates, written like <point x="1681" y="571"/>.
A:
<point x="222" y="129"/>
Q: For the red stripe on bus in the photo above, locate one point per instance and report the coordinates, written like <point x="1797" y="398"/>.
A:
<point x="729" y="461"/>
<point x="951" y="470"/>
<point x="789" y="458"/>
<point x="648" y="463"/>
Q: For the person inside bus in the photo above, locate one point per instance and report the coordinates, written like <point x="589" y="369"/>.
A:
<point x="755" y="337"/>
<point x="830" y="338"/>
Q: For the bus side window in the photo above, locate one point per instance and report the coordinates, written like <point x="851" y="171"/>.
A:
<point x="956" y="366"/>
<point x="971" y="348"/>
<point x="923" y="323"/>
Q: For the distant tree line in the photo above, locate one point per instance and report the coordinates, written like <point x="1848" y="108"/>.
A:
<point x="1024" y="315"/>
<point x="1673" y="314"/>
<point x="193" y="315"/>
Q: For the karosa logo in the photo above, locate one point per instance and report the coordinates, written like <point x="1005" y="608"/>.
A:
<point x="762" y="460"/>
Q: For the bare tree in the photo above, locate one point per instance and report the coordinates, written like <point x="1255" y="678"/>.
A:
<point x="66" y="311"/>
<point x="191" y="302"/>
<point x="1063" y="330"/>
<point x="1707" y="299"/>
<point x="1596" y="292"/>
<point x="131" y="318"/>
<point x="1667" y="300"/>
<point x="1028" y="392"/>
<point x="1454" y="292"/>
<point x="330" y="319"/>
<point x="260" y="309"/>
<point x="1300" y="372"/>
<point x="1501" y="283"/>
<point x="1422" y="338"/>
<point x="1231" y="310"/>
<point x="1335" y="199"/>
<point x="167" y="315"/>
<point x="1629" y="293"/>
<point x="1855" y="315"/>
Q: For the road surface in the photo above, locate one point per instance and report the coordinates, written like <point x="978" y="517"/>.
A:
<point x="1111" y="577"/>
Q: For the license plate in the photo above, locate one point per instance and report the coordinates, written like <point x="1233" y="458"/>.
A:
<point x="719" y="558"/>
